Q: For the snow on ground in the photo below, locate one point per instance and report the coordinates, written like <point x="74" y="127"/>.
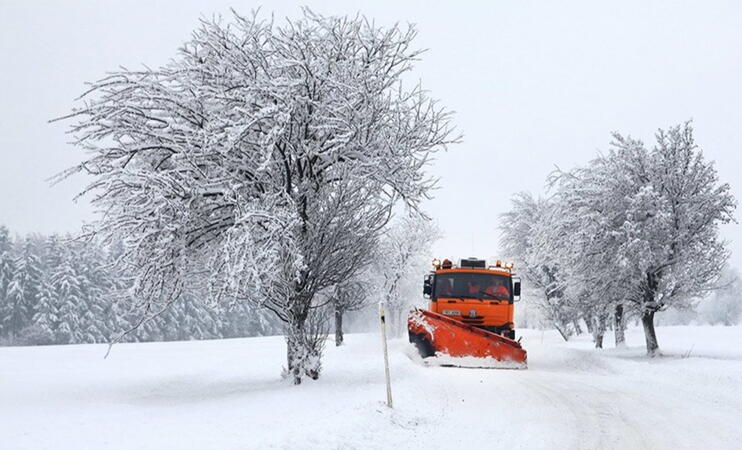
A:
<point x="228" y="394"/>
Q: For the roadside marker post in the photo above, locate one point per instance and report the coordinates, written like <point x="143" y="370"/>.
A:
<point x="386" y="356"/>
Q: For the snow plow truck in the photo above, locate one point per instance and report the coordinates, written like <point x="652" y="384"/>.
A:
<point x="470" y="319"/>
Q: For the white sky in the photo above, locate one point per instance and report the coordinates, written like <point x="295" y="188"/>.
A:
<point x="535" y="85"/>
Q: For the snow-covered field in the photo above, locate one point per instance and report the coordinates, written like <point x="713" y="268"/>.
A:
<point x="228" y="394"/>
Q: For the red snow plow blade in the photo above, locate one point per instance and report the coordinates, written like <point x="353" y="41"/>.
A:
<point x="459" y="344"/>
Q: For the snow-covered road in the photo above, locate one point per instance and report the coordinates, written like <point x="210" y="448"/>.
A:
<point x="227" y="394"/>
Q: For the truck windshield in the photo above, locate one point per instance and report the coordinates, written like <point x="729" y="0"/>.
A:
<point x="481" y="286"/>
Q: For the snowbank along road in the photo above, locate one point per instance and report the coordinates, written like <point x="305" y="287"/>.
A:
<point x="228" y="394"/>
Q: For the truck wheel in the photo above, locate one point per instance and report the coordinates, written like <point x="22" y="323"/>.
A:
<point x="423" y="345"/>
<point x="511" y="334"/>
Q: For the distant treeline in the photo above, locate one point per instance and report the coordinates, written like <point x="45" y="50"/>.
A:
<point x="58" y="290"/>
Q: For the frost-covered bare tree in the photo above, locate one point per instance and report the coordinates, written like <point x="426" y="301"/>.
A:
<point x="260" y="162"/>
<point x="594" y="281"/>
<point x="530" y="238"/>
<point x="400" y="262"/>
<point x="351" y="295"/>
<point x="645" y="224"/>
<point x="634" y="231"/>
<point x="676" y="234"/>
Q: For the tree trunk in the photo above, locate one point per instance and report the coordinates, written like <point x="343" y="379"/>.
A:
<point x="303" y="352"/>
<point x="598" y="339"/>
<point x="619" y="326"/>
<point x="577" y="327"/>
<point x="293" y="352"/>
<point x="596" y="326"/>
<point x="590" y="323"/>
<point x="338" y="327"/>
<point x="564" y="335"/>
<point x="649" y="334"/>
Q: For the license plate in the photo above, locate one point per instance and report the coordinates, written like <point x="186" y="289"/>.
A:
<point x="451" y="312"/>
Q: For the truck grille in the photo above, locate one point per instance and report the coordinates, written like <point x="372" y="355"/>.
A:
<point x="478" y="320"/>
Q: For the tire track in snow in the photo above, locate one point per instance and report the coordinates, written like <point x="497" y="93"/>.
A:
<point x="577" y="399"/>
<point x="596" y="419"/>
<point x="581" y="387"/>
<point x="614" y="405"/>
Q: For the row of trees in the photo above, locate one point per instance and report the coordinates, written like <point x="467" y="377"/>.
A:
<point x="260" y="166"/>
<point x="722" y="307"/>
<point x="57" y="290"/>
<point x="633" y="232"/>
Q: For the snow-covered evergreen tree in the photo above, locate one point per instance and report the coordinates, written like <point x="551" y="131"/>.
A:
<point x="23" y="289"/>
<point x="118" y="305"/>
<point x="69" y="298"/>
<point x="46" y="318"/>
<point x="195" y="320"/>
<point x="95" y="286"/>
<point x="6" y="275"/>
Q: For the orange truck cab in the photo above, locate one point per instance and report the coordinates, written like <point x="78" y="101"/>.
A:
<point x="475" y="294"/>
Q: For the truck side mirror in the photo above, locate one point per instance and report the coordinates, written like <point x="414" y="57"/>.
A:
<point x="516" y="289"/>
<point x="428" y="286"/>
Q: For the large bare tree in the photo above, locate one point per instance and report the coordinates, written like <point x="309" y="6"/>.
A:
<point x="261" y="163"/>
